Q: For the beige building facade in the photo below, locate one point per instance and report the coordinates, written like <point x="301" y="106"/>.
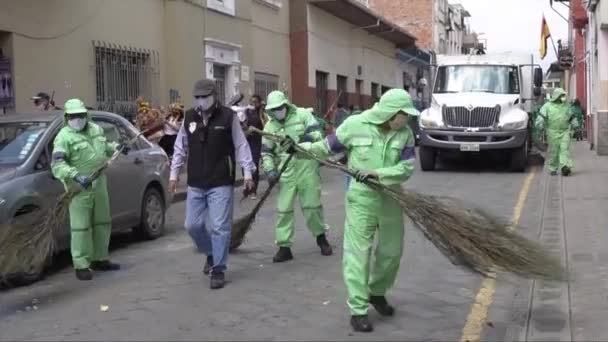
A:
<point x="109" y="52"/>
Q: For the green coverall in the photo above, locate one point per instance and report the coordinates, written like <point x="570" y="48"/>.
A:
<point x="301" y="177"/>
<point x="556" y="119"/>
<point x="82" y="153"/>
<point x="391" y="155"/>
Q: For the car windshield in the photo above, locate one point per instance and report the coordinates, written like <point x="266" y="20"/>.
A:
<point x="477" y="78"/>
<point x="17" y="140"/>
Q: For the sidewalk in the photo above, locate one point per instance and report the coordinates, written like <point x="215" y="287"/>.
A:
<point x="574" y="226"/>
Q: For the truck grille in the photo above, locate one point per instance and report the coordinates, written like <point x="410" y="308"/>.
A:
<point x="477" y="117"/>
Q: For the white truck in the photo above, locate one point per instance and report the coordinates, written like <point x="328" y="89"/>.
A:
<point x="481" y="103"/>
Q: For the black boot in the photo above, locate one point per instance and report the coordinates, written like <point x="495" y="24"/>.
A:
<point x="84" y="274"/>
<point x="104" y="266"/>
<point x="361" y="323"/>
<point x="566" y="171"/>
<point x="217" y="280"/>
<point x="553" y="173"/>
<point x="381" y="305"/>
<point x="283" y="254"/>
<point x="208" y="265"/>
<point x="324" y="245"/>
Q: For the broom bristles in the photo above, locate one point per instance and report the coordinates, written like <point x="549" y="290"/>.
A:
<point x="468" y="237"/>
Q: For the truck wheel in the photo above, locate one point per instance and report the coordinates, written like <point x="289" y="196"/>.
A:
<point x="519" y="158"/>
<point x="428" y="156"/>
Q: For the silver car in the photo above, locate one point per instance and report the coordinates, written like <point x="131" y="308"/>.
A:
<point x="137" y="183"/>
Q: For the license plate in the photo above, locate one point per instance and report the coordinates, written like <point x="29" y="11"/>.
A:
<point x="469" y="147"/>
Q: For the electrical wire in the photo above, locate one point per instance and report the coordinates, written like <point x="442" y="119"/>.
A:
<point x="69" y="31"/>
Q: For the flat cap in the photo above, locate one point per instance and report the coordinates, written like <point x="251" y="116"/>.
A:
<point x="203" y="88"/>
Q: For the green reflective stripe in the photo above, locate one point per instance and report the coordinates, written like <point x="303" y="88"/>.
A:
<point x="285" y="212"/>
<point x="80" y="229"/>
<point x="310" y="208"/>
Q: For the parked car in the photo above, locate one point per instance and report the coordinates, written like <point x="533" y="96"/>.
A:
<point x="137" y="182"/>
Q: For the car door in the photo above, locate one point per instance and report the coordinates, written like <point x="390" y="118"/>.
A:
<point x="124" y="180"/>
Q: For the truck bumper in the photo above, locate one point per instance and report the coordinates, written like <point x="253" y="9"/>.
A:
<point x="451" y="140"/>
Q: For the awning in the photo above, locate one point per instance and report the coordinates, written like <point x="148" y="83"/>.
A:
<point x="415" y="55"/>
<point x="359" y="15"/>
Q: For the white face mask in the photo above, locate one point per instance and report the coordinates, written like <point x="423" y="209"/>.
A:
<point x="77" y="123"/>
<point x="204" y="103"/>
<point x="280" y="114"/>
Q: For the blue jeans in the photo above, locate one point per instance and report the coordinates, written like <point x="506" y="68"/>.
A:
<point x="216" y="204"/>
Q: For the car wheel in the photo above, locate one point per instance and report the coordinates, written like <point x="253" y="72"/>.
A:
<point x="428" y="157"/>
<point x="152" y="224"/>
<point x="519" y="158"/>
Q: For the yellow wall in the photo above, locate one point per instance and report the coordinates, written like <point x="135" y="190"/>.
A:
<point x="337" y="47"/>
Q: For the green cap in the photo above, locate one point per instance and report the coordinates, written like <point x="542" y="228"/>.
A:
<point x="275" y="100"/>
<point x="74" y="106"/>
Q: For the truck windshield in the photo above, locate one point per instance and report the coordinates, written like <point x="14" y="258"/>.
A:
<point x="477" y="78"/>
<point x="17" y="140"/>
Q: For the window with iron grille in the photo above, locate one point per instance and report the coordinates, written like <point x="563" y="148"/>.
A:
<point x="342" y="89"/>
<point x="321" y="86"/>
<point x="219" y="74"/>
<point x="265" y="84"/>
<point x="121" y="75"/>
<point x="385" y="89"/>
<point x="358" y="91"/>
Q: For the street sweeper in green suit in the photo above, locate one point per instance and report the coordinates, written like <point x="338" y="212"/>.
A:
<point x="80" y="148"/>
<point x="301" y="178"/>
<point x="557" y="120"/>
<point x="379" y="144"/>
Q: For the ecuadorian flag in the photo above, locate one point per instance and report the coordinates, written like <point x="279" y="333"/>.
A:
<point x="544" y="35"/>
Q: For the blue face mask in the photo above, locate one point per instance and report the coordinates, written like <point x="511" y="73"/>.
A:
<point x="77" y="123"/>
<point x="280" y="114"/>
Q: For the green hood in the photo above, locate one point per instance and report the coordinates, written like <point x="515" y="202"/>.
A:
<point x="557" y="93"/>
<point x="392" y="102"/>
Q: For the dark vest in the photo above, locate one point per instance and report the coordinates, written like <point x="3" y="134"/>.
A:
<point x="211" y="161"/>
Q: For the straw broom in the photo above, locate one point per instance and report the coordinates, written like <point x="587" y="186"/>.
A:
<point x="468" y="237"/>
<point x="27" y="241"/>
<point x="242" y="226"/>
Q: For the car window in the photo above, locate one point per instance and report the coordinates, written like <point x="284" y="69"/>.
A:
<point x="115" y="131"/>
<point x="17" y="140"/>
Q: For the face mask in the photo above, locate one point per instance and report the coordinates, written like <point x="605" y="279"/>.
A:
<point x="204" y="103"/>
<point x="398" y="123"/>
<point x="280" y="114"/>
<point x="77" y="123"/>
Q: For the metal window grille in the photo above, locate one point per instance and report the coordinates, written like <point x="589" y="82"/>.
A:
<point x="385" y="89"/>
<point x="374" y="92"/>
<point x="358" y="90"/>
<point x="265" y="84"/>
<point x="219" y="74"/>
<point x="122" y="74"/>
<point x="321" y="85"/>
<point x="342" y="89"/>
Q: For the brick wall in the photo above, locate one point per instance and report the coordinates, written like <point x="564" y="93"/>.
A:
<point x="416" y="16"/>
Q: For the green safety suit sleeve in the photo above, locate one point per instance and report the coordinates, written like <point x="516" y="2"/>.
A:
<point x="313" y="128"/>
<point x="332" y="144"/>
<point x="111" y="148"/>
<point x="539" y="123"/>
<point x="59" y="165"/>
<point x="404" y="169"/>
<point x="268" y="155"/>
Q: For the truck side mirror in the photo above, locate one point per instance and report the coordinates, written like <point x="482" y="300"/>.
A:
<point x="538" y="77"/>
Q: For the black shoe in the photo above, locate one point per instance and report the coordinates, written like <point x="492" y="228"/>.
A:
<point x="104" y="266"/>
<point x="553" y="173"/>
<point x="566" y="171"/>
<point x="208" y="265"/>
<point x="381" y="305"/>
<point x="361" y="323"/>
<point x="217" y="280"/>
<point x="324" y="245"/>
<point x="283" y="254"/>
<point x="84" y="274"/>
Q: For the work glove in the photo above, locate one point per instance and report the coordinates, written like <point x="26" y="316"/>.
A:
<point x="123" y="148"/>
<point x="287" y="144"/>
<point x="272" y="177"/>
<point x="84" y="181"/>
<point x="363" y="175"/>
<point x="306" y="138"/>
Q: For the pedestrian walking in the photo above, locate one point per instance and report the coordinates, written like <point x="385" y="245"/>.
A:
<point x="43" y="102"/>
<point x="173" y="122"/>
<point x="79" y="149"/>
<point x="255" y="117"/>
<point x="579" y="114"/>
<point x="211" y="140"/>
<point x="379" y="144"/>
<point x="301" y="178"/>
<point x="557" y="120"/>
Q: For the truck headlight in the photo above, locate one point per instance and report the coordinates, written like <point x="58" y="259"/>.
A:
<point x="512" y="126"/>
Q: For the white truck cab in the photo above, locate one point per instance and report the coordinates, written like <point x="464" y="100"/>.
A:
<point x="480" y="102"/>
